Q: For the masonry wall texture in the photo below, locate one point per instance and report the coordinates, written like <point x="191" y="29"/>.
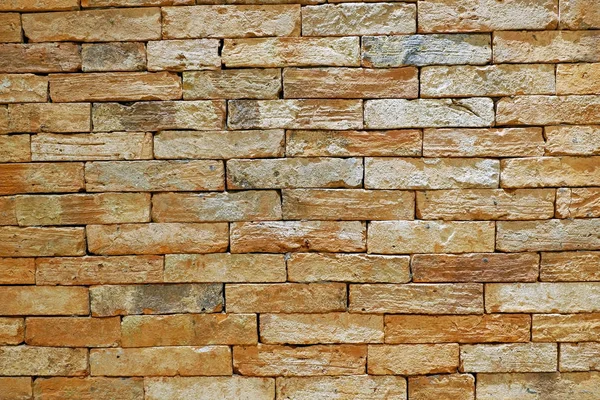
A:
<point x="299" y="199"/>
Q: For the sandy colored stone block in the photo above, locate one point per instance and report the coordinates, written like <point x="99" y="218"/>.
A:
<point x="115" y="56"/>
<point x="134" y="3"/>
<point x="509" y="357"/>
<point x="225" y="267"/>
<point x="579" y="356"/>
<point x="42" y="361"/>
<point x="17" y="271"/>
<point x="39" y="57"/>
<point x="251" y="205"/>
<point x="420" y="50"/>
<point x="312" y="143"/>
<point x="108" y="300"/>
<point x="412" y="359"/>
<point x="49" y="117"/>
<point x="38" y="300"/>
<point x="579" y="14"/>
<point x="41" y="178"/>
<point x="181" y="55"/>
<point x="206" y="388"/>
<point x="550" y="171"/>
<point x="457" y="328"/>
<point x="15" y="148"/>
<point x="361" y="387"/>
<point x="578" y="79"/>
<point x="119" y="25"/>
<point x="565" y="327"/>
<point x="8" y="215"/>
<point x="219" y="144"/>
<point x="81" y="388"/>
<point x="476" y="267"/>
<point x="39" y="5"/>
<point x="161" y="361"/>
<point x="463" y="298"/>
<point x="274" y="360"/>
<point x="578" y="202"/>
<point x="232" y="84"/>
<point x="486" y="204"/>
<point x="23" y="88"/>
<point x="73" y="332"/>
<point x="3" y="119"/>
<point x="188" y="330"/>
<point x="12" y="331"/>
<point x="39" y="242"/>
<point x="15" y="388"/>
<point x="292" y="52"/>
<point x="157" y="238"/>
<point x="10" y="27"/>
<point x="159" y="115"/>
<point x="155" y="176"/>
<point x="572" y="140"/>
<point x="570" y="266"/>
<point x="442" y="387"/>
<point x="281" y="173"/>
<point x="321" y="328"/>
<point x="359" y="268"/>
<point x="95" y="270"/>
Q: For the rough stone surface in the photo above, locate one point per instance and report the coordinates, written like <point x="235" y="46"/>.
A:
<point x="412" y="359"/>
<point x="579" y="357"/>
<point x="565" y="327"/>
<point x="548" y="110"/>
<point x="41" y="241"/>
<point x="578" y="202"/>
<point x="42" y="361"/>
<point x="578" y="79"/>
<point x="15" y="271"/>
<point x="49" y="117"/>
<point x="23" y="88"/>
<point x="81" y="388"/>
<point x="509" y="357"/>
<point x="15" y="148"/>
<point x="550" y="171"/>
<point x="579" y="14"/>
<point x="572" y="140"/>
<point x="12" y="331"/>
<point x="207" y="388"/>
<point x="181" y="55"/>
<point x="41" y="178"/>
<point x="357" y="387"/>
<point x="16" y="388"/>
<point x="39" y="57"/>
<point x="73" y="332"/>
<point x="115" y="56"/>
<point x="570" y="266"/>
<point x="250" y="83"/>
<point x="34" y="300"/>
<point x="442" y="387"/>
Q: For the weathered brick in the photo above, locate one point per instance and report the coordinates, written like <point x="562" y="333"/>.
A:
<point x="412" y="359"/>
<point x="181" y="55"/>
<point x="442" y="387"/>
<point x="8" y="215"/>
<point x="17" y="271"/>
<point x="572" y="140"/>
<point x="107" y="300"/>
<point x="578" y="78"/>
<point x="565" y="327"/>
<point x="342" y="387"/>
<point x="570" y="266"/>
<point x="15" y="148"/>
<point x="134" y="3"/>
<point x="115" y="56"/>
<point x="208" y="388"/>
<point x="251" y="83"/>
<point x="73" y="332"/>
<point x="10" y="27"/>
<point x="15" y="388"/>
<point x="3" y="119"/>
<point x="579" y="357"/>
<point x="118" y="25"/>
<point x="23" y="88"/>
<point x="465" y="298"/>
<point x="39" y="242"/>
<point x="579" y="14"/>
<point x="49" y="117"/>
<point x="40" y="57"/>
<point x="548" y="110"/>
<point x="12" y="331"/>
<point x="509" y="357"/>
<point x="41" y="5"/>
<point x="37" y="300"/>
<point x="42" y="361"/>
<point x="81" y="388"/>
<point x="550" y="171"/>
<point x="578" y="202"/>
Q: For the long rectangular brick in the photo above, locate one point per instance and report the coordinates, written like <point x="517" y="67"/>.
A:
<point x="548" y="110"/>
<point x="41" y="5"/>
<point x="43" y="361"/>
<point x="429" y="387"/>
<point x="23" y="88"/>
<point x="181" y="55"/>
<point x="17" y="271"/>
<point x="579" y="14"/>
<point x="565" y="327"/>
<point x="49" y="117"/>
<point x="39" y="57"/>
<point x="79" y="388"/>
<point x="38" y="300"/>
<point x="578" y="78"/>
<point x="579" y="357"/>
<point x="73" y="332"/>
<point x="509" y="357"/>
<point x="570" y="266"/>
<point x="412" y="359"/>
<point x="248" y="83"/>
<point x="12" y="331"/>
<point x="39" y="242"/>
<point x="572" y="140"/>
<point x="550" y="171"/>
<point x="578" y="202"/>
<point x="207" y="388"/>
<point x="134" y="3"/>
<point x="113" y="56"/>
<point x="354" y="387"/>
<point x="15" y="148"/>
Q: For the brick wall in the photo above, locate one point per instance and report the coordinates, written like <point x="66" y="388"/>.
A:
<point x="344" y="200"/>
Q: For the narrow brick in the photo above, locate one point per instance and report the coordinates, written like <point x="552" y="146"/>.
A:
<point x="343" y="387"/>
<point x="509" y="357"/>
<point x="115" y="56"/>
<point x="181" y="55"/>
<point x="578" y="202"/>
<point x="579" y="357"/>
<point x="42" y="361"/>
<point x="436" y="387"/>
<point x="207" y="388"/>
<point x="23" y="88"/>
<point x="40" y="57"/>
<point x="16" y="388"/>
<point x="73" y="332"/>
<point x="412" y="359"/>
<point x="579" y="14"/>
<point x="134" y="3"/>
<point x="15" y="148"/>
<point x="572" y="140"/>
<point x="49" y="117"/>
<point x="17" y="271"/>
<point x="4" y="119"/>
<point x="565" y="327"/>
<point x="12" y="331"/>
<point x="550" y="171"/>
<point x="37" y="300"/>
<point x="577" y="79"/>
<point x="548" y="110"/>
<point x="80" y="388"/>
<point x="39" y="242"/>
<point x="41" y="5"/>
<point x="570" y="266"/>
<point x="8" y="214"/>
<point x="251" y="83"/>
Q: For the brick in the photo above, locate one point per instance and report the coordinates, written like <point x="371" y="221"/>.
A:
<point x="82" y="209"/>
<point x="80" y="388"/>
<point x="39" y="242"/>
<point x="397" y="237"/>
<point x="457" y="328"/>
<point x="15" y="388"/>
<point x="465" y="298"/>
<point x="445" y="387"/>
<point x="572" y="140"/>
<point x="115" y="86"/>
<point x="549" y="235"/>
<point x="548" y="110"/>
<point x="412" y="359"/>
<point x="488" y="80"/>
<point x="292" y="52"/>
<point x="509" y="357"/>
<point x="219" y="144"/>
<point x="3" y="119"/>
<point x="546" y="47"/>
<point x="428" y="113"/>
<point x="37" y="300"/>
<point x="8" y="215"/>
<point x="280" y="173"/>
<point x="108" y="300"/>
<point x="577" y="79"/>
<point x="486" y="204"/>
<point x="134" y="3"/>
<point x="156" y="176"/>
<point x="23" y="88"/>
<point x="118" y="25"/>
<point x="274" y="360"/>
<point x="161" y="361"/>
<point x="420" y="50"/>
<point x="181" y="55"/>
<point x="579" y="357"/>
<point x="225" y="267"/>
<point x="40" y="57"/>
<point x="565" y="327"/>
<point x="486" y="15"/>
<point x="311" y="143"/>
<point x="476" y="267"/>
<point x="286" y="298"/>
<point x="49" y="117"/>
<point x="251" y="83"/>
<point x="550" y="171"/>
<point x="350" y="83"/>
<point x="42" y="361"/>
<point x="293" y="236"/>
<point x="188" y="330"/>
<point x="15" y="148"/>
<point x="207" y="388"/>
<point x="546" y="298"/>
<point x="295" y="114"/>
<point x="96" y="270"/>
<point x="578" y="202"/>
<point x="321" y="328"/>
<point x="349" y="205"/>
<point x="579" y="14"/>
<point x="488" y="142"/>
<point x="159" y="115"/>
<point x="570" y="266"/>
<point x="10" y="27"/>
<point x="12" y="331"/>
<point x="342" y="387"/>
<point x="359" y="268"/>
<point x="17" y="271"/>
<point x="42" y="5"/>
<point x="115" y="56"/>
<point x="73" y="332"/>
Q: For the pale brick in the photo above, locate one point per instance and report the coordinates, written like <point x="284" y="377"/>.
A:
<point x="565" y="327"/>
<point x="578" y="202"/>
<point x="98" y="388"/>
<point x="49" y="117"/>
<point x="572" y="140"/>
<point x="509" y="357"/>
<point x="579" y="14"/>
<point x="39" y="5"/>
<point x="42" y="361"/>
<point x="579" y="357"/>
<point x="412" y="359"/>
<point x="358" y="387"/>
<point x="548" y="110"/>
<point x="14" y="388"/>
<point x="23" y="88"/>
<point x="38" y="300"/>
<point x="442" y="387"/>
<point x="17" y="271"/>
<point x="208" y="388"/>
<point x="12" y="331"/>
<point x="578" y="79"/>
<point x="181" y="55"/>
<point x="134" y="3"/>
<point x="40" y="57"/>
<point x="550" y="171"/>
<point x="73" y="332"/>
<point x="251" y="83"/>
<point x="570" y="266"/>
<point x="8" y="215"/>
<point x="15" y="148"/>
<point x="116" y="56"/>
<point x="39" y="242"/>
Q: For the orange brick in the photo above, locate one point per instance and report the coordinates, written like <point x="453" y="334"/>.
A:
<point x="15" y="388"/>
<point x="82" y="388"/>
<point x="49" y="117"/>
<point x="247" y="83"/>
<point x="12" y="331"/>
<point x="8" y="214"/>
<point x="113" y="56"/>
<point x="41" y="178"/>
<point x="570" y="266"/>
<point x="17" y="271"/>
<point x="565" y="327"/>
<point x="40" y="57"/>
<point x="568" y="140"/>
<point x="412" y="359"/>
<point x="73" y="332"/>
<point x="40" y="242"/>
<point x="343" y="387"/>
<point x="509" y="357"/>
<point x="23" y="88"/>
<point x="39" y="300"/>
<point x="442" y="387"/>
<point x="15" y="148"/>
<point x="578" y="203"/>
<point x="43" y="361"/>
<point x="41" y="5"/>
<point x="548" y="110"/>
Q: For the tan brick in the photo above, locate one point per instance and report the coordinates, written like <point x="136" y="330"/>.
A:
<point x="3" y="119"/>
<point x="41" y="5"/>
<point x="412" y="359"/>
<point x="181" y="55"/>
<point x="107" y="300"/>
<point x="492" y="142"/>
<point x="550" y="171"/>
<point x="73" y="332"/>
<point x="579" y="357"/>
<point x="225" y="267"/>
<point x="251" y="83"/>
<point x="548" y="110"/>
<point x="274" y="360"/>
<point x="156" y="176"/>
<point x="572" y="297"/>
<point x="15" y="388"/>
<point x="219" y="144"/>
<point x="12" y="331"/>
<point x="49" y="117"/>
<point x="359" y="268"/>
<point x="292" y="236"/>
<point x="572" y="140"/>
<point x="165" y="361"/>
<point x="23" y="88"/>
<point x="565" y="327"/>
<point x="188" y="330"/>
<point x="40" y="57"/>
<point x="292" y="52"/>
<point x="37" y="300"/>
<point x="157" y="238"/>
<point x="82" y="388"/>
<point x="159" y="115"/>
<point x="118" y="25"/>
<point x="509" y="357"/>
<point x="342" y="387"/>
<point x="477" y="267"/>
<point x="578" y="202"/>
<point x="442" y="387"/>
<point x="579" y="14"/>
<point x="39" y="242"/>
<point x="15" y="148"/>
<point x="578" y="78"/>
<point x="42" y="361"/>
<point x="207" y="388"/>
<point x="570" y="266"/>
<point x="486" y="204"/>
<point x="134" y="3"/>
<point x="8" y="215"/>
<point x="457" y="328"/>
<point x="115" y="56"/>
<point x="465" y="298"/>
<point x="353" y="143"/>
<point x="17" y="271"/>
<point x="546" y="47"/>
<point x="10" y="27"/>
